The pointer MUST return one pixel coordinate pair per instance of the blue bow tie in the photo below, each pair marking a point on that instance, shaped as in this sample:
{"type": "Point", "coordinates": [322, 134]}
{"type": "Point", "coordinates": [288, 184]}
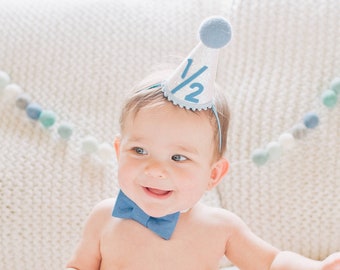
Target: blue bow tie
{"type": "Point", "coordinates": [126, 208]}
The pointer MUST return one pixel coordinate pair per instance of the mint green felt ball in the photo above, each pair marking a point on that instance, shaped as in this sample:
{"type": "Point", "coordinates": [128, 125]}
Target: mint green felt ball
{"type": "Point", "coordinates": [65, 130]}
{"type": "Point", "coordinates": [47, 118]}
{"type": "Point", "coordinates": [260, 157]}
{"type": "Point", "coordinates": [329, 98]}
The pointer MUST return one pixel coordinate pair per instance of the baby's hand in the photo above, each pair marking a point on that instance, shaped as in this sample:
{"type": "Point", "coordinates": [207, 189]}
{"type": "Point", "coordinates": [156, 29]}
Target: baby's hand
{"type": "Point", "coordinates": [332, 262]}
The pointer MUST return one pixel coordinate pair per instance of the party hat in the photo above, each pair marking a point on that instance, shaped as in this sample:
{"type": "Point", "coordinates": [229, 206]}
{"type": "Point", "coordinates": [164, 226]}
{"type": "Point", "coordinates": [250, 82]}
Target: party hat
{"type": "Point", "coordinates": [191, 86]}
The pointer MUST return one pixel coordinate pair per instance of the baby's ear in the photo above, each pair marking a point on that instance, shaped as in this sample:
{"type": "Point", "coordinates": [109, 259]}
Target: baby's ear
{"type": "Point", "coordinates": [218, 170]}
{"type": "Point", "coordinates": [116, 145]}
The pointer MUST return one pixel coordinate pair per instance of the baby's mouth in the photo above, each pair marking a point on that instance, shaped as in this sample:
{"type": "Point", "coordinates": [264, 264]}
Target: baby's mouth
{"type": "Point", "coordinates": [158, 193]}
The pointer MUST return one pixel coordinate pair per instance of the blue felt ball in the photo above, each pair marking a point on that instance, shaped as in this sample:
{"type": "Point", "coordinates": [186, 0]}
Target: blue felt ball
{"type": "Point", "coordinates": [215, 32]}
{"type": "Point", "coordinates": [33, 111]}
{"type": "Point", "coordinates": [311, 120]}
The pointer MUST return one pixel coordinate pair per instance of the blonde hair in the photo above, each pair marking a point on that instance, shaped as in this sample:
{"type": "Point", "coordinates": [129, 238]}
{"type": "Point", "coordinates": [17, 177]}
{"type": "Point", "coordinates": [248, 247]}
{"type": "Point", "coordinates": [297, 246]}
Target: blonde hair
{"type": "Point", "coordinates": [149, 94]}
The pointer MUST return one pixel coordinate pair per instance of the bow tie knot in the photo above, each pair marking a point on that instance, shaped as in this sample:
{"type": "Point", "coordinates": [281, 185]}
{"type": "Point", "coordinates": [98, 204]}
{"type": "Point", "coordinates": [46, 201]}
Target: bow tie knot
{"type": "Point", "coordinates": [127, 209]}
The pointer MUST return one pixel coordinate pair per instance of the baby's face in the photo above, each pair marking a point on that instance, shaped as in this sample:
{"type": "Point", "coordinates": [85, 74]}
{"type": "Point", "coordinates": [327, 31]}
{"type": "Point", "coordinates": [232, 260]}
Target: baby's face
{"type": "Point", "coordinates": [165, 158]}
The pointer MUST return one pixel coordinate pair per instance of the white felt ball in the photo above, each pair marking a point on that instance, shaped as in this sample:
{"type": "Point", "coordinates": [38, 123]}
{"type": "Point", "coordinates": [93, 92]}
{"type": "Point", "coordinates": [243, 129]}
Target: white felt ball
{"type": "Point", "coordinates": [106, 152]}
{"type": "Point", "coordinates": [4, 80]}
{"type": "Point", "coordinates": [335, 85]}
{"type": "Point", "coordinates": [286, 140]}
{"type": "Point", "coordinates": [12, 91]}
{"type": "Point", "coordinates": [274, 150]}
{"type": "Point", "coordinates": [89, 145]}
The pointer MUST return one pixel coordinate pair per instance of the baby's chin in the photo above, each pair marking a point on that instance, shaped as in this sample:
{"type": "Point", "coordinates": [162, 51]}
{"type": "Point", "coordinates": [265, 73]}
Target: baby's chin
{"type": "Point", "coordinates": [161, 211]}
{"type": "Point", "coordinates": [157, 213]}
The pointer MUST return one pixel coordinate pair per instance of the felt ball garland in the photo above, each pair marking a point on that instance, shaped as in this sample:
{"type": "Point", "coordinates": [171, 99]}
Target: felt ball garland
{"type": "Point", "coordinates": [90, 145]}
{"type": "Point", "coordinates": [287, 140]}
{"type": "Point", "coordinates": [48, 118]}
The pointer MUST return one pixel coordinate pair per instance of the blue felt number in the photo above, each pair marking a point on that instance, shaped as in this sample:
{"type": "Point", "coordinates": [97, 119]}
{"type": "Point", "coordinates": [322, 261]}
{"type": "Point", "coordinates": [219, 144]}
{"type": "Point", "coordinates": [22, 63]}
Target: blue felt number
{"type": "Point", "coordinates": [189, 80]}
{"type": "Point", "coordinates": [192, 97]}
{"type": "Point", "coordinates": [185, 71]}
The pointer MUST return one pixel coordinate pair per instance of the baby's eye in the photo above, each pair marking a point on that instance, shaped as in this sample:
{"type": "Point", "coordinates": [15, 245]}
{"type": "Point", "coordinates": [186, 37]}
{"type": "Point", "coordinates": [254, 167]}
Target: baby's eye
{"type": "Point", "coordinates": [179, 158]}
{"type": "Point", "coordinates": [139, 150]}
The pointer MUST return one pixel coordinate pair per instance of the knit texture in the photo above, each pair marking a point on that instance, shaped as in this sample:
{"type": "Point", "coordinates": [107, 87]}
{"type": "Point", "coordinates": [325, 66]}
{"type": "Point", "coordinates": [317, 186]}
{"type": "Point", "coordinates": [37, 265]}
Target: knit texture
{"type": "Point", "coordinates": [79, 58]}
{"type": "Point", "coordinates": [284, 54]}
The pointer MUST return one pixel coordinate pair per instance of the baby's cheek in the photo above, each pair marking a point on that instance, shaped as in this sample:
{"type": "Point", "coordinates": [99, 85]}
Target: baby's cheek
{"type": "Point", "coordinates": [124, 175]}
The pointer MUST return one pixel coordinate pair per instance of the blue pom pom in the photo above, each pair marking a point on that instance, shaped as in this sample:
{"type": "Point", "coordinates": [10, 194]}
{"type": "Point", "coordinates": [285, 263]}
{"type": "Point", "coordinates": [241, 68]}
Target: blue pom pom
{"type": "Point", "coordinates": [215, 32]}
{"type": "Point", "coordinates": [311, 120]}
{"type": "Point", "coordinates": [33, 111]}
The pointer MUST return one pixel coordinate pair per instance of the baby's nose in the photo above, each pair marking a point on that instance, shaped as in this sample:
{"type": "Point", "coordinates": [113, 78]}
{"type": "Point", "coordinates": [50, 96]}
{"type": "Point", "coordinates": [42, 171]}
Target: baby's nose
{"type": "Point", "coordinates": [156, 170]}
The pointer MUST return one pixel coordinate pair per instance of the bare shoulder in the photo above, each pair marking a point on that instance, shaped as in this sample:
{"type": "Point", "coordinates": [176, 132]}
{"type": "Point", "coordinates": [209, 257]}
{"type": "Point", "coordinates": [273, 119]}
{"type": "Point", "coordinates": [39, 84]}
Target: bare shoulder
{"type": "Point", "coordinates": [220, 220]}
{"type": "Point", "coordinates": [101, 212]}
{"type": "Point", "coordinates": [221, 224]}
{"type": "Point", "coordinates": [104, 205]}
{"type": "Point", "coordinates": [220, 217]}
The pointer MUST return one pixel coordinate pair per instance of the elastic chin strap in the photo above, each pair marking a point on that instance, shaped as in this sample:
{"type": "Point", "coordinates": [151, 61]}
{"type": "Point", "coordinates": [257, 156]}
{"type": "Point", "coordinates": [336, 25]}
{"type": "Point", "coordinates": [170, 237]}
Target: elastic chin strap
{"type": "Point", "coordinates": [213, 108]}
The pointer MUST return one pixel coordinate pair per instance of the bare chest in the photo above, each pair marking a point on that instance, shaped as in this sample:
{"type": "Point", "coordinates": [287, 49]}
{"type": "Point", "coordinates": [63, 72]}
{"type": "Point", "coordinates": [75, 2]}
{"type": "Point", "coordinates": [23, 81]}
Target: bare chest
{"type": "Point", "coordinates": [128, 245]}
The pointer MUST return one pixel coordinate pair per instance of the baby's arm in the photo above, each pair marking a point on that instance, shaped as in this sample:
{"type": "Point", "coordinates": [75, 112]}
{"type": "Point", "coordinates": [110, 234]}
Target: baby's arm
{"type": "Point", "coordinates": [244, 249]}
{"type": "Point", "coordinates": [286, 260]}
{"type": "Point", "coordinates": [87, 254]}
{"type": "Point", "coordinates": [249, 252]}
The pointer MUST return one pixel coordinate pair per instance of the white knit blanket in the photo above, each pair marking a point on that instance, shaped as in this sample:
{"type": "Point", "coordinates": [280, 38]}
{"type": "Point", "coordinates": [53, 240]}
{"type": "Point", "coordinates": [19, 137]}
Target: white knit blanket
{"type": "Point", "coordinates": [78, 58]}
